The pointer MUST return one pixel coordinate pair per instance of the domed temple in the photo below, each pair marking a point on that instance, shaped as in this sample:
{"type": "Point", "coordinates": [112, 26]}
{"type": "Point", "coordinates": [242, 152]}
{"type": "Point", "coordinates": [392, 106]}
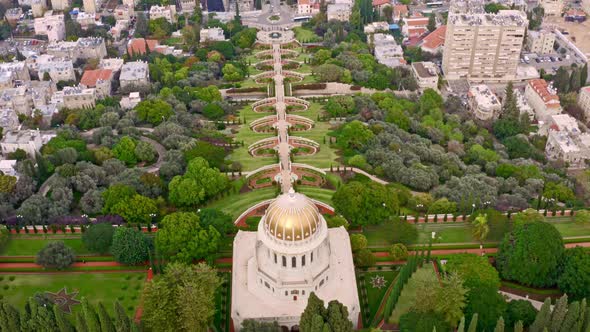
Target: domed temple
{"type": "Point", "coordinates": [292, 254]}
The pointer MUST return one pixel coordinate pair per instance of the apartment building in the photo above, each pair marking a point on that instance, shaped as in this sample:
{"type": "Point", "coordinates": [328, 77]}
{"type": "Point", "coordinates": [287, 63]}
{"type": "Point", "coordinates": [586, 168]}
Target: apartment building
{"type": "Point", "coordinates": [426, 74]}
{"type": "Point", "coordinates": [77, 97]}
{"type": "Point", "coordinates": [552, 7]}
{"type": "Point", "coordinates": [308, 7]}
{"type": "Point", "coordinates": [113, 64]}
{"type": "Point", "coordinates": [19, 99]}
{"type": "Point", "coordinates": [584, 101]}
{"type": "Point", "coordinates": [100, 79]}
{"type": "Point", "coordinates": [135, 73]}
{"type": "Point", "coordinates": [483, 102]}
{"type": "Point", "coordinates": [399, 11]}
{"type": "Point", "coordinates": [29, 141]}
{"type": "Point", "coordinates": [123, 12]}
{"type": "Point", "coordinates": [483, 47]}
{"type": "Point", "coordinates": [212, 34]}
{"type": "Point", "coordinates": [52, 26]}
{"type": "Point", "coordinates": [387, 51]}
{"type": "Point", "coordinates": [540, 42]}
{"type": "Point", "coordinates": [435, 41]}
{"type": "Point", "coordinates": [187, 6]}
{"type": "Point", "coordinates": [86, 19]}
{"type": "Point", "coordinates": [58, 69]}
{"type": "Point", "coordinates": [12, 16]}
{"type": "Point", "coordinates": [7, 80]}
{"type": "Point", "coordinates": [566, 143]}
{"type": "Point", "coordinates": [414, 26]}
{"type": "Point", "coordinates": [60, 5]}
{"type": "Point", "coordinates": [91, 6]}
{"type": "Point", "coordinates": [18, 68]}
{"type": "Point", "coordinates": [38, 7]}
{"type": "Point", "coordinates": [543, 98]}
{"type": "Point", "coordinates": [129, 102]}
{"type": "Point", "coordinates": [8, 119]}
{"type": "Point", "coordinates": [130, 3]}
{"type": "Point", "coordinates": [83, 48]}
{"type": "Point", "coordinates": [339, 12]}
{"type": "Point", "coordinates": [376, 27]}
{"type": "Point", "coordinates": [167, 12]}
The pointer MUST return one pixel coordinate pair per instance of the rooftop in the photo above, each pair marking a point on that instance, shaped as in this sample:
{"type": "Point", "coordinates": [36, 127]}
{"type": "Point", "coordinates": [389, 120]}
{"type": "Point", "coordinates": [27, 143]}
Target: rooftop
{"type": "Point", "coordinates": [134, 70]}
{"type": "Point", "coordinates": [547, 93]}
{"type": "Point", "coordinates": [91, 77]}
{"type": "Point", "coordinates": [436, 38]}
{"type": "Point", "coordinates": [484, 96]}
{"type": "Point", "coordinates": [503, 18]}
{"type": "Point", "coordinates": [425, 69]}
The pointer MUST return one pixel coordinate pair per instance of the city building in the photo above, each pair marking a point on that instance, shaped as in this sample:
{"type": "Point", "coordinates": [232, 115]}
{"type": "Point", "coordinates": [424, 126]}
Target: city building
{"type": "Point", "coordinates": [376, 27]}
{"type": "Point", "coordinates": [129, 102]}
{"type": "Point", "coordinates": [135, 73]}
{"type": "Point", "coordinates": [576, 15]}
{"type": "Point", "coordinates": [543, 99]}
{"type": "Point", "coordinates": [113, 64]}
{"type": "Point", "coordinates": [123, 12]}
{"type": "Point", "coordinates": [91, 6]}
{"type": "Point", "coordinates": [292, 254]}
{"type": "Point", "coordinates": [426, 74]}
{"type": "Point", "coordinates": [18, 68]}
{"type": "Point", "coordinates": [100, 79]}
{"type": "Point", "coordinates": [83, 48]}
{"type": "Point", "coordinates": [307, 7]}
{"type": "Point", "coordinates": [387, 51]}
{"type": "Point", "coordinates": [130, 3]}
{"type": "Point", "coordinates": [483, 47]}
{"type": "Point", "coordinates": [19, 99]}
{"type": "Point", "coordinates": [52, 26]}
{"type": "Point", "coordinates": [483, 102]}
{"type": "Point", "coordinates": [7, 80]}
{"type": "Point", "coordinates": [399, 11]}
{"type": "Point", "coordinates": [58, 69]}
{"type": "Point", "coordinates": [140, 46]}
{"type": "Point", "coordinates": [552, 7]}
{"type": "Point", "coordinates": [167, 12]}
{"type": "Point", "coordinates": [29, 141]}
{"type": "Point", "coordinates": [38, 7]}
{"type": "Point", "coordinates": [8, 119]}
{"type": "Point", "coordinates": [60, 5]}
{"type": "Point", "coordinates": [584, 101]}
{"type": "Point", "coordinates": [540, 42]}
{"type": "Point", "coordinates": [212, 34]}
{"type": "Point", "coordinates": [523, 105]}
{"type": "Point", "coordinates": [86, 19]}
{"type": "Point", "coordinates": [77, 97]}
{"type": "Point", "coordinates": [380, 5]}
{"type": "Point", "coordinates": [414, 26]}
{"type": "Point", "coordinates": [187, 6]}
{"type": "Point", "coordinates": [435, 41]}
{"type": "Point", "coordinates": [8, 167]}
{"type": "Point", "coordinates": [120, 26]}
{"type": "Point", "coordinates": [339, 12]}
{"type": "Point", "coordinates": [566, 143]}
{"type": "Point", "coordinates": [12, 15]}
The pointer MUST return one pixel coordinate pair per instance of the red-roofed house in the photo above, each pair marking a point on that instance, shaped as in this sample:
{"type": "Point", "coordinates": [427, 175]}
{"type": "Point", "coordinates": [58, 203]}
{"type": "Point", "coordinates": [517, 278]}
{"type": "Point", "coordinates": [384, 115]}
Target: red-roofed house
{"type": "Point", "coordinates": [100, 79]}
{"type": "Point", "coordinates": [542, 98]}
{"type": "Point", "coordinates": [414, 26]}
{"type": "Point", "coordinates": [399, 12]}
{"type": "Point", "coordinates": [434, 42]}
{"type": "Point", "coordinates": [380, 4]}
{"type": "Point", "coordinates": [140, 46]}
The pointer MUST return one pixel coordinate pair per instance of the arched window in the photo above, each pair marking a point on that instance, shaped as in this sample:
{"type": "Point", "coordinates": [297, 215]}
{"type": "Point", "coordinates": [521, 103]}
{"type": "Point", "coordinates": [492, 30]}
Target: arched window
{"type": "Point", "coordinates": [293, 261]}
{"type": "Point", "coordinates": [284, 261]}
{"type": "Point", "coordinates": [275, 258]}
{"type": "Point", "coordinates": [303, 260]}
{"type": "Point", "coordinates": [312, 256]}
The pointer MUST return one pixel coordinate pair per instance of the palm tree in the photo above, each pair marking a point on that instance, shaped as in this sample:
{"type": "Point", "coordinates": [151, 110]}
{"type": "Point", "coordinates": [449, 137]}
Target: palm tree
{"type": "Point", "coordinates": [480, 229]}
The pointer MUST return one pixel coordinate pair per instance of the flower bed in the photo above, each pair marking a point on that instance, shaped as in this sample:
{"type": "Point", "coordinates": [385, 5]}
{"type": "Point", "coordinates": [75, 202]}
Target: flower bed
{"type": "Point", "coordinates": [310, 86]}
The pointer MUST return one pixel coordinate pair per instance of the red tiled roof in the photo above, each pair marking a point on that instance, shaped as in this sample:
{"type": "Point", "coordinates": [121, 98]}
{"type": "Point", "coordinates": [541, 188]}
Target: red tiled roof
{"type": "Point", "coordinates": [417, 31]}
{"type": "Point", "coordinates": [381, 2]}
{"type": "Point", "coordinates": [575, 12]}
{"type": "Point", "coordinates": [400, 9]}
{"type": "Point", "coordinates": [152, 44]}
{"type": "Point", "coordinates": [136, 46]}
{"type": "Point", "coordinates": [542, 89]}
{"type": "Point", "coordinates": [303, 2]}
{"type": "Point", "coordinates": [436, 38]}
{"type": "Point", "coordinates": [90, 77]}
{"type": "Point", "coordinates": [416, 21]}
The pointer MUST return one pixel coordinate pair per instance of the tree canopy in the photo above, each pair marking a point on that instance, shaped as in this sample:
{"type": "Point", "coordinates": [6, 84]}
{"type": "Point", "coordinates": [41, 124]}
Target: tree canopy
{"type": "Point", "coordinates": [366, 203]}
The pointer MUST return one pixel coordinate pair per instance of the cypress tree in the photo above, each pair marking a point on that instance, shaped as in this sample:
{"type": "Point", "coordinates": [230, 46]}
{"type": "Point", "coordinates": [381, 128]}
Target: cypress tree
{"type": "Point", "coordinates": [575, 79]}
{"type": "Point", "coordinates": [63, 323]}
{"type": "Point", "coordinates": [558, 315]}
{"type": "Point", "coordinates": [518, 327]}
{"type": "Point", "coordinates": [106, 323]}
{"type": "Point", "coordinates": [122, 321]}
{"type": "Point", "coordinates": [473, 324]}
{"type": "Point", "coordinates": [543, 317]}
{"type": "Point", "coordinates": [582, 315]}
{"type": "Point", "coordinates": [584, 75]}
{"type": "Point", "coordinates": [10, 318]}
{"type": "Point", "coordinates": [90, 317]}
{"type": "Point", "coordinates": [571, 318]}
{"type": "Point", "coordinates": [81, 323]}
{"type": "Point", "coordinates": [461, 327]}
{"type": "Point", "coordinates": [499, 325]}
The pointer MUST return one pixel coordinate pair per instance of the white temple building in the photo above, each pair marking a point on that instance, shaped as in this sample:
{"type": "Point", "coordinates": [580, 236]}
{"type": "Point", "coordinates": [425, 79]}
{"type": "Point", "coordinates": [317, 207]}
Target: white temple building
{"type": "Point", "coordinates": [292, 254]}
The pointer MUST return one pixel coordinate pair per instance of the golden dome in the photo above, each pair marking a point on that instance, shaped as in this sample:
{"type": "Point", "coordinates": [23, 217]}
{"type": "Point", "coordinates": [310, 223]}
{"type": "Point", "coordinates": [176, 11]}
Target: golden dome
{"type": "Point", "coordinates": [292, 217]}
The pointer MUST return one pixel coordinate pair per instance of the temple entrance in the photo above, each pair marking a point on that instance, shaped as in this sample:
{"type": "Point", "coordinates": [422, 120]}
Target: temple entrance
{"type": "Point", "coordinates": [284, 329]}
{"type": "Point", "coordinates": [295, 328]}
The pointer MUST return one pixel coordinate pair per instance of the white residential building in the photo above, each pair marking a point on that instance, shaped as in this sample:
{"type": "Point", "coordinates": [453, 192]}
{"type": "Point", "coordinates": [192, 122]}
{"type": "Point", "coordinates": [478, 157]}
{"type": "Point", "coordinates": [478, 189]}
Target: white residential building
{"type": "Point", "coordinates": [135, 73]}
{"type": "Point", "coordinates": [414, 26]}
{"type": "Point", "coordinates": [8, 119]}
{"type": "Point", "coordinates": [376, 27]}
{"type": "Point", "coordinates": [29, 141]}
{"type": "Point", "coordinates": [86, 19]}
{"type": "Point", "coordinates": [426, 74]}
{"type": "Point", "coordinates": [83, 48]}
{"type": "Point", "coordinates": [212, 34]}
{"type": "Point", "coordinates": [540, 42]}
{"type": "Point", "coordinates": [306, 8]}
{"type": "Point", "coordinates": [339, 12]}
{"type": "Point", "coordinates": [483, 102]}
{"type": "Point", "coordinates": [77, 97]}
{"type": "Point", "coordinates": [542, 98]}
{"type": "Point", "coordinates": [387, 51]}
{"type": "Point", "coordinates": [123, 12]}
{"type": "Point", "coordinates": [8, 167]}
{"type": "Point", "coordinates": [91, 6]}
{"type": "Point", "coordinates": [52, 26]}
{"type": "Point", "coordinates": [584, 101]}
{"type": "Point", "coordinates": [167, 12]}
{"type": "Point", "coordinates": [60, 5]}
{"type": "Point", "coordinates": [552, 7]}
{"type": "Point", "coordinates": [130, 3]}
{"type": "Point", "coordinates": [59, 69]}
{"type": "Point", "coordinates": [114, 64]}
{"type": "Point", "coordinates": [480, 46]}
{"type": "Point", "coordinates": [7, 80]}
{"type": "Point", "coordinates": [566, 143]}
{"type": "Point", "coordinates": [523, 105]}
{"type": "Point", "coordinates": [39, 7]}
{"type": "Point", "coordinates": [12, 15]}
{"type": "Point", "coordinates": [18, 68]}
{"type": "Point", "coordinates": [187, 6]}
{"type": "Point", "coordinates": [129, 102]}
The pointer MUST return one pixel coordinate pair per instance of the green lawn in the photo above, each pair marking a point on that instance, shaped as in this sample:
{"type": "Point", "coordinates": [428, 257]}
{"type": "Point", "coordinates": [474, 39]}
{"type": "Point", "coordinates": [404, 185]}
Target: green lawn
{"type": "Point", "coordinates": [248, 136]}
{"type": "Point", "coordinates": [305, 35]}
{"type": "Point", "coordinates": [30, 246]}
{"type": "Point", "coordinates": [321, 194]}
{"type": "Point", "coordinates": [96, 287]}
{"type": "Point", "coordinates": [375, 294]}
{"type": "Point", "coordinates": [409, 293]}
{"type": "Point", "coordinates": [234, 205]}
{"type": "Point", "coordinates": [571, 228]}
